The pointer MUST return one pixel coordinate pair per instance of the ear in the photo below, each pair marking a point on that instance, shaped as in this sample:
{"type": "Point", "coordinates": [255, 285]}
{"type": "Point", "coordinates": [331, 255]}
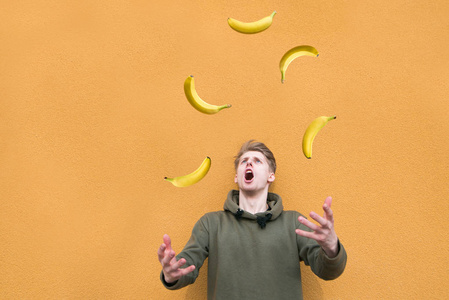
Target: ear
{"type": "Point", "coordinates": [235, 178]}
{"type": "Point", "coordinates": [271, 178]}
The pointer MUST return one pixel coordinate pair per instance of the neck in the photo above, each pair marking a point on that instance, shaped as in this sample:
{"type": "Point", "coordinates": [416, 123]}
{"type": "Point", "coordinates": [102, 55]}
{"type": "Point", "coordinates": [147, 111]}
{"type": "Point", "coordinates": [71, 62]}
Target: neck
{"type": "Point", "coordinates": [253, 202]}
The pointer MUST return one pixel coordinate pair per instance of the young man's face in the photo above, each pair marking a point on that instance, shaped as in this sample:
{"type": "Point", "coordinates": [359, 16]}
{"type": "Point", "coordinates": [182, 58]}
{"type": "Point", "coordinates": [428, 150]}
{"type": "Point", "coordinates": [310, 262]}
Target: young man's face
{"type": "Point", "coordinates": [253, 172]}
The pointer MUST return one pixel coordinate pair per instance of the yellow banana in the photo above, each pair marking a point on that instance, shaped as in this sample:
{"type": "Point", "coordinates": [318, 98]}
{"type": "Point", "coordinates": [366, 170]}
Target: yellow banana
{"type": "Point", "coordinates": [251, 27]}
{"type": "Point", "coordinates": [198, 103]}
{"type": "Point", "coordinates": [192, 178]}
{"type": "Point", "coordinates": [293, 53]}
{"type": "Point", "coordinates": [311, 132]}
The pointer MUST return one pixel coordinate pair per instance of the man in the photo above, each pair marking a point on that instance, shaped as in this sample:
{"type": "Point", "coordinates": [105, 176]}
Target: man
{"type": "Point", "coordinates": [254, 247]}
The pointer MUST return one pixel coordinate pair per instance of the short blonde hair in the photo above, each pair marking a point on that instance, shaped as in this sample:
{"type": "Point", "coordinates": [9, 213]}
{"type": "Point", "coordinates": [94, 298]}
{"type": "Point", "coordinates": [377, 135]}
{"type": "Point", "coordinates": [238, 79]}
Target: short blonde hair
{"type": "Point", "coordinates": [252, 145]}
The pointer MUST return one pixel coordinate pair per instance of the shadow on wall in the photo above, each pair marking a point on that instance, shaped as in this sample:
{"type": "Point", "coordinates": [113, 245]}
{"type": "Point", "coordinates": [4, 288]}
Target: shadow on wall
{"type": "Point", "coordinates": [195, 292]}
{"type": "Point", "coordinates": [198, 290]}
{"type": "Point", "coordinates": [311, 287]}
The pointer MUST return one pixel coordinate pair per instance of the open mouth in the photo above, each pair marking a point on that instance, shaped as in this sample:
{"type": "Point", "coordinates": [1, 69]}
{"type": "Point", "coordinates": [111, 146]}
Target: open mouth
{"type": "Point", "coordinates": [249, 176]}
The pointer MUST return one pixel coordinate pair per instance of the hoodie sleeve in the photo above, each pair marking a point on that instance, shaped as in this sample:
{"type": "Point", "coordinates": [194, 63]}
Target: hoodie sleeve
{"type": "Point", "coordinates": [314, 256]}
{"type": "Point", "coordinates": [195, 252]}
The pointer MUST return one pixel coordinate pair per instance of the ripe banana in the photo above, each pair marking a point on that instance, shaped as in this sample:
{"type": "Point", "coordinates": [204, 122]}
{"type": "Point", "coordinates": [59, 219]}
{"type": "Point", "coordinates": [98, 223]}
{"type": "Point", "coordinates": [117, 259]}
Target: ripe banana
{"type": "Point", "coordinates": [252, 27]}
{"type": "Point", "coordinates": [293, 53]}
{"type": "Point", "coordinates": [198, 103]}
{"type": "Point", "coordinates": [311, 132]}
{"type": "Point", "coordinates": [192, 178]}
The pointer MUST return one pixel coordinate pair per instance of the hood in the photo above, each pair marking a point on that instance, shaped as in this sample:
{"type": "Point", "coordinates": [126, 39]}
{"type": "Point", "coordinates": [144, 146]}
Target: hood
{"type": "Point", "coordinates": [274, 202]}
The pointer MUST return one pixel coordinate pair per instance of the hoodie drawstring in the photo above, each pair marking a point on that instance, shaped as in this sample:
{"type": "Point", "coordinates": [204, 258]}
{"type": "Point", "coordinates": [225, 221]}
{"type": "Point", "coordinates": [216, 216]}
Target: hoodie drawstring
{"type": "Point", "coordinates": [238, 214]}
{"type": "Point", "coordinates": [262, 220]}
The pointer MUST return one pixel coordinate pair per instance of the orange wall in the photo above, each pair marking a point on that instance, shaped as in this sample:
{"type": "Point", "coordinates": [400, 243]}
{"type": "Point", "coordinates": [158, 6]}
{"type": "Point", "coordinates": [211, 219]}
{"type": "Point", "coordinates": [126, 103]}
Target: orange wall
{"type": "Point", "coordinates": [93, 116]}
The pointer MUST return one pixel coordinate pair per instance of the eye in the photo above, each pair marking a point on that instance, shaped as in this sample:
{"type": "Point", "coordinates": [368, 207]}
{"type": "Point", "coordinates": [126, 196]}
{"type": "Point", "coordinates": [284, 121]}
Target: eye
{"type": "Point", "coordinates": [258, 161]}
{"type": "Point", "coordinates": [243, 161]}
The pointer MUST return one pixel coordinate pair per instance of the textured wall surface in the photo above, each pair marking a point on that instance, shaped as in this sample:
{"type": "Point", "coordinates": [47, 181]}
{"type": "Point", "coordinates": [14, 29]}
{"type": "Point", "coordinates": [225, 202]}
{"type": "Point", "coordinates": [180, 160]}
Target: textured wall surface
{"type": "Point", "coordinates": [93, 116]}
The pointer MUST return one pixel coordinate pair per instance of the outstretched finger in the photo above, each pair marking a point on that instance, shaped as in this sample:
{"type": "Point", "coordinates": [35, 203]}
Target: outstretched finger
{"type": "Point", "coordinates": [328, 213]}
{"type": "Point", "coordinates": [178, 264]}
{"type": "Point", "coordinates": [307, 234]}
{"type": "Point", "coordinates": [327, 205]}
{"type": "Point", "coordinates": [307, 223]}
{"type": "Point", "coordinates": [168, 258]}
{"type": "Point", "coordinates": [187, 270]}
{"type": "Point", "coordinates": [322, 221]}
{"type": "Point", "coordinates": [160, 252]}
{"type": "Point", "coordinates": [167, 241]}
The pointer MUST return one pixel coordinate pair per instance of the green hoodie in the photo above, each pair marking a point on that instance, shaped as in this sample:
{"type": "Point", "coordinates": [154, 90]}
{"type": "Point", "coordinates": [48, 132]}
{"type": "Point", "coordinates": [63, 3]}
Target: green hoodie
{"type": "Point", "coordinates": [254, 256]}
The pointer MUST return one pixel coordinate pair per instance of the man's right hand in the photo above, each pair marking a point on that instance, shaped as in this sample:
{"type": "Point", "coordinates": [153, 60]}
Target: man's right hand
{"type": "Point", "coordinates": [170, 266]}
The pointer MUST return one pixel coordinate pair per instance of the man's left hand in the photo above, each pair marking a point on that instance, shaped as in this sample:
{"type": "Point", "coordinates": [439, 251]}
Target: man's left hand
{"type": "Point", "coordinates": [323, 233]}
